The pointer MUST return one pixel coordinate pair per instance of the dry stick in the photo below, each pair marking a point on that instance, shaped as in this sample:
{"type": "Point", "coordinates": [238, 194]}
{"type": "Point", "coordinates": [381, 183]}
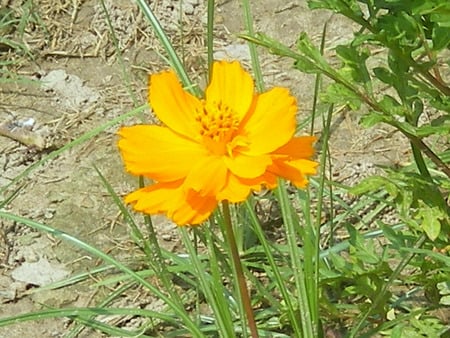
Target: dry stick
{"type": "Point", "coordinates": [26, 137]}
{"type": "Point", "coordinates": [239, 272]}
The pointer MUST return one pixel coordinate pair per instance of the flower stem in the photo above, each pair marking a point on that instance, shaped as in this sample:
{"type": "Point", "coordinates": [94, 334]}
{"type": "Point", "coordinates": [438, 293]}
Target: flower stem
{"type": "Point", "coordinates": [243, 291]}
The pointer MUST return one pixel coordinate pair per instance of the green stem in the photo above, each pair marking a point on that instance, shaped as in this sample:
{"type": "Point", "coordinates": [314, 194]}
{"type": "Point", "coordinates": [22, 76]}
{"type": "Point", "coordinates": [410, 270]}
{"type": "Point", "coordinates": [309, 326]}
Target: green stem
{"type": "Point", "coordinates": [243, 291]}
{"type": "Point", "coordinates": [259, 81]}
{"type": "Point", "coordinates": [210, 37]}
{"type": "Point", "coordinates": [300, 278]}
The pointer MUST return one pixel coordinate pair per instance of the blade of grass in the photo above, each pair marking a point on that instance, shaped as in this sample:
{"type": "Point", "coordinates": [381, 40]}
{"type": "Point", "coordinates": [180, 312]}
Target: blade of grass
{"type": "Point", "coordinates": [280, 281]}
{"type": "Point", "coordinates": [115, 41]}
{"type": "Point", "coordinates": [312, 230]}
{"type": "Point", "coordinates": [210, 37]}
{"type": "Point", "coordinates": [83, 315]}
{"type": "Point", "coordinates": [74, 332]}
{"type": "Point", "coordinates": [210, 288]}
{"type": "Point", "coordinates": [135, 233]}
{"type": "Point", "coordinates": [98, 253]}
{"type": "Point", "coordinates": [253, 53]}
{"type": "Point", "coordinates": [175, 61]}
{"type": "Point", "coordinates": [291, 225]}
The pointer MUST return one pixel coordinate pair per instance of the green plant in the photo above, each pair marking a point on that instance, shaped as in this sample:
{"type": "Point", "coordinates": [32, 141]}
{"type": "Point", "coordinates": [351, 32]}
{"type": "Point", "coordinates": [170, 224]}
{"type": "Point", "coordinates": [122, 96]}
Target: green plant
{"type": "Point", "coordinates": [409, 80]}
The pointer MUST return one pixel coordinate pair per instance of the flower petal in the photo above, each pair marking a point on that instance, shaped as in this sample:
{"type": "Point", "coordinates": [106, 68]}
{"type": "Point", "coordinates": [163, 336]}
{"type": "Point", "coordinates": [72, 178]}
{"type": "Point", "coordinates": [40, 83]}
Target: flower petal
{"type": "Point", "coordinates": [171, 199]}
{"type": "Point", "coordinates": [247, 166]}
{"type": "Point", "coordinates": [230, 86]}
{"type": "Point", "coordinates": [236, 190]}
{"type": "Point", "coordinates": [294, 171]}
{"type": "Point", "coordinates": [195, 209]}
{"type": "Point", "coordinates": [298, 147]}
{"type": "Point", "coordinates": [272, 122]}
{"type": "Point", "coordinates": [174, 106]}
{"type": "Point", "coordinates": [155, 199]}
{"type": "Point", "coordinates": [158, 153]}
{"type": "Point", "coordinates": [207, 177]}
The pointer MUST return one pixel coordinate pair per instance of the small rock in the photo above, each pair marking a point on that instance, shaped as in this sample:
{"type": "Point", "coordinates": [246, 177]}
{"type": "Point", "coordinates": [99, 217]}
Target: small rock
{"type": "Point", "coordinates": [233, 52]}
{"type": "Point", "coordinates": [40, 273]}
{"type": "Point", "coordinates": [188, 9]}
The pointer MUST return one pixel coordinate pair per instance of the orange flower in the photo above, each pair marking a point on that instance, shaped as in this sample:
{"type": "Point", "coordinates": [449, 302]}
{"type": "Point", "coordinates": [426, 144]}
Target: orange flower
{"type": "Point", "coordinates": [213, 149]}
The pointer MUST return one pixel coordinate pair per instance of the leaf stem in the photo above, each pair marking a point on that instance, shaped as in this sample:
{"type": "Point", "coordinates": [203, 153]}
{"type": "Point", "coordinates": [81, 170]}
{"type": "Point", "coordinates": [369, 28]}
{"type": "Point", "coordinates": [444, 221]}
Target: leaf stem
{"type": "Point", "coordinates": [243, 291]}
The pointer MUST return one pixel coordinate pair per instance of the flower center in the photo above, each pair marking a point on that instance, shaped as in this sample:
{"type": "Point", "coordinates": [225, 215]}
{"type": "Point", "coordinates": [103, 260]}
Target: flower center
{"type": "Point", "coordinates": [218, 124]}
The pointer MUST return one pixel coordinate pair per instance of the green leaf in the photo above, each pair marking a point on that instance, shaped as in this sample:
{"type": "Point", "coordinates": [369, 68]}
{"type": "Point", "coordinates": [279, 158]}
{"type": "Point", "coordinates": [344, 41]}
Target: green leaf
{"type": "Point", "coordinates": [371, 119]}
{"type": "Point", "coordinates": [339, 94]}
{"type": "Point", "coordinates": [431, 217]}
{"type": "Point", "coordinates": [439, 126]}
{"type": "Point", "coordinates": [355, 60]}
{"type": "Point", "coordinates": [440, 37]}
{"type": "Point", "coordinates": [445, 300]}
{"type": "Point", "coordinates": [374, 183]}
{"type": "Point", "coordinates": [349, 8]}
{"type": "Point", "coordinates": [385, 75]}
{"type": "Point", "coordinates": [400, 32]}
{"type": "Point", "coordinates": [313, 56]}
{"type": "Point", "coordinates": [391, 106]}
{"type": "Point", "coordinates": [444, 291]}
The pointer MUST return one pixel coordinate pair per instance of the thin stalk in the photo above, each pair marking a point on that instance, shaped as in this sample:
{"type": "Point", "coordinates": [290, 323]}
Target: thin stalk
{"type": "Point", "coordinates": [210, 36]}
{"type": "Point", "coordinates": [253, 53]}
{"type": "Point", "coordinates": [281, 283]}
{"type": "Point", "coordinates": [175, 61]}
{"type": "Point", "coordinates": [316, 247]}
{"type": "Point", "coordinates": [125, 72]}
{"type": "Point", "coordinates": [210, 291]}
{"type": "Point", "coordinates": [291, 226]}
{"type": "Point", "coordinates": [243, 291]}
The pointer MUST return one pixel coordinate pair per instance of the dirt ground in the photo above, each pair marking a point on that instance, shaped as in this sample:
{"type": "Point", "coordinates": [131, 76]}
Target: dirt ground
{"type": "Point", "coordinates": [74, 80]}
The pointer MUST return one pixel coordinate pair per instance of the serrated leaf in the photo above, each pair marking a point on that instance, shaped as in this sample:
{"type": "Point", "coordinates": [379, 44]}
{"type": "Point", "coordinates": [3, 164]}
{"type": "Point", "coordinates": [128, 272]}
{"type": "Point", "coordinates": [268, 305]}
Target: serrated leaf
{"type": "Point", "coordinates": [349, 8]}
{"type": "Point", "coordinates": [355, 59]}
{"type": "Point", "coordinates": [439, 126]}
{"type": "Point", "coordinates": [431, 217]}
{"type": "Point", "coordinates": [445, 300]}
{"type": "Point", "coordinates": [440, 37]}
{"type": "Point", "coordinates": [337, 93]}
{"type": "Point", "coordinates": [384, 75]}
{"type": "Point", "coordinates": [307, 48]}
{"type": "Point", "coordinates": [372, 184]}
{"type": "Point", "coordinates": [371, 119]}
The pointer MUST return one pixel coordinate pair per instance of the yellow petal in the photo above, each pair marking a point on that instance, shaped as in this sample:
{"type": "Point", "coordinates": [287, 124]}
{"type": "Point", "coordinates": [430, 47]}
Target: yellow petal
{"type": "Point", "coordinates": [175, 107]}
{"type": "Point", "coordinates": [158, 153]}
{"type": "Point", "coordinates": [271, 123]}
{"type": "Point", "coordinates": [230, 86]}
{"type": "Point", "coordinates": [236, 190]}
{"type": "Point", "coordinates": [207, 176]}
{"type": "Point", "coordinates": [171, 199]}
{"type": "Point", "coordinates": [194, 210]}
{"type": "Point", "coordinates": [157, 198]}
{"type": "Point", "coordinates": [294, 171]}
{"type": "Point", "coordinates": [298, 147]}
{"type": "Point", "coordinates": [247, 166]}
